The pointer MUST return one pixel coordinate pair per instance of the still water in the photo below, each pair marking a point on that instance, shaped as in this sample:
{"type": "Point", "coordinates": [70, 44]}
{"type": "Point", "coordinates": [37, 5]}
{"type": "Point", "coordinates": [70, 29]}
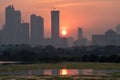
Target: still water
{"type": "Point", "coordinates": [8, 62]}
{"type": "Point", "coordinates": [63, 72]}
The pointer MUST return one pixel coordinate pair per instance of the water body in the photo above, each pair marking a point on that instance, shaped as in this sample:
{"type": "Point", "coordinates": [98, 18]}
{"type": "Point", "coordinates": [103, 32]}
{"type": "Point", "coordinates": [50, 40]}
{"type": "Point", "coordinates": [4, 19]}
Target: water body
{"type": "Point", "coordinates": [62, 72]}
{"type": "Point", "coordinates": [9, 62]}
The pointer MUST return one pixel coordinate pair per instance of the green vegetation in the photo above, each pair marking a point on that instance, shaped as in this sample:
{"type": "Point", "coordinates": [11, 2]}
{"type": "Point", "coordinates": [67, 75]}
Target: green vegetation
{"type": "Point", "coordinates": [80, 77]}
{"type": "Point", "coordinates": [68, 65]}
{"type": "Point", "coordinates": [50, 54]}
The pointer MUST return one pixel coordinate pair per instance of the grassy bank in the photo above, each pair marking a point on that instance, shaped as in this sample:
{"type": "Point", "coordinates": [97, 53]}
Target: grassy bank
{"type": "Point", "coordinates": [68, 65]}
{"type": "Point", "coordinates": [81, 77]}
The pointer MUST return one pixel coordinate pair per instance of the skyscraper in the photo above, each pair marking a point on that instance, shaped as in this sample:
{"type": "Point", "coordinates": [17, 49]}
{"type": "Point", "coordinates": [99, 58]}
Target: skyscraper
{"type": "Point", "coordinates": [55, 24]}
{"type": "Point", "coordinates": [11, 29]}
{"type": "Point", "coordinates": [37, 30]}
{"type": "Point", "coordinates": [17, 27]}
{"type": "Point", "coordinates": [80, 34]}
{"type": "Point", "coordinates": [25, 33]}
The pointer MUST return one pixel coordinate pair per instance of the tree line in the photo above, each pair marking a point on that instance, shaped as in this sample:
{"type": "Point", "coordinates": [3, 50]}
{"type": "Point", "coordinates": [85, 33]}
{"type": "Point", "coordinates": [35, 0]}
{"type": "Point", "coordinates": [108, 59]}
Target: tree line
{"type": "Point", "coordinates": [26, 53]}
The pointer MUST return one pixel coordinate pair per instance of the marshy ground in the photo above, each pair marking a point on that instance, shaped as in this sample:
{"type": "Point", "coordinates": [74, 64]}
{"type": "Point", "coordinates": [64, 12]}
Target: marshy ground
{"type": "Point", "coordinates": [68, 65]}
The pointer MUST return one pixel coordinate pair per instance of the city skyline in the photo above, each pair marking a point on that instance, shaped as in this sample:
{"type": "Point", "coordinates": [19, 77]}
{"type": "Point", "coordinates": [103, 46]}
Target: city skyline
{"type": "Point", "coordinates": [94, 16]}
{"type": "Point", "coordinates": [15, 32]}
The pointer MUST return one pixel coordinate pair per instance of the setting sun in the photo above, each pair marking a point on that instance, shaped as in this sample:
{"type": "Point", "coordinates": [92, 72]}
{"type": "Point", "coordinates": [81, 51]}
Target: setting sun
{"type": "Point", "coordinates": [64, 32]}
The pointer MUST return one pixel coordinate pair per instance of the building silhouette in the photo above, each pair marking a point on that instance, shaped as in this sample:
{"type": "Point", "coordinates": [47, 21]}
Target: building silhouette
{"type": "Point", "coordinates": [11, 29]}
{"type": "Point", "coordinates": [80, 33]}
{"type": "Point", "coordinates": [81, 41]}
{"type": "Point", "coordinates": [70, 41]}
{"type": "Point", "coordinates": [109, 38]}
{"type": "Point", "coordinates": [25, 33]}
{"type": "Point", "coordinates": [98, 39]}
{"type": "Point", "coordinates": [63, 42]}
{"type": "Point", "coordinates": [14, 32]}
{"type": "Point", "coordinates": [55, 27]}
{"type": "Point", "coordinates": [117, 29]}
{"type": "Point", "coordinates": [48, 41]}
{"type": "Point", "coordinates": [37, 30]}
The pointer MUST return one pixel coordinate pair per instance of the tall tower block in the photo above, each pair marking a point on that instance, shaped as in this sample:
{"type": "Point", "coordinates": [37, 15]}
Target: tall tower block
{"type": "Point", "coordinates": [55, 24]}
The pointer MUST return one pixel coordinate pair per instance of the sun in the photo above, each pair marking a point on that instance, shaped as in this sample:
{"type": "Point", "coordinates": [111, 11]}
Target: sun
{"type": "Point", "coordinates": [64, 32]}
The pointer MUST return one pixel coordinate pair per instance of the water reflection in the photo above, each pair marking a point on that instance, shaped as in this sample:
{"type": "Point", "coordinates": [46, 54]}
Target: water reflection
{"type": "Point", "coordinates": [9, 62]}
{"type": "Point", "coordinates": [62, 72]}
{"type": "Point", "coordinates": [87, 71]}
{"type": "Point", "coordinates": [47, 72]}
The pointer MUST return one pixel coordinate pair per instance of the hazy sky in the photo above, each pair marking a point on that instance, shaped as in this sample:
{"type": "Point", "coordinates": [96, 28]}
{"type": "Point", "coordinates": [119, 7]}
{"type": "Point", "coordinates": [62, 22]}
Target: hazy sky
{"type": "Point", "coordinates": [94, 16]}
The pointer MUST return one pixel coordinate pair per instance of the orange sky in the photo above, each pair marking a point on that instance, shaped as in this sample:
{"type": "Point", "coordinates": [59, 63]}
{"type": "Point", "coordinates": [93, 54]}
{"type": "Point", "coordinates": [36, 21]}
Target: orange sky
{"type": "Point", "coordinates": [94, 16]}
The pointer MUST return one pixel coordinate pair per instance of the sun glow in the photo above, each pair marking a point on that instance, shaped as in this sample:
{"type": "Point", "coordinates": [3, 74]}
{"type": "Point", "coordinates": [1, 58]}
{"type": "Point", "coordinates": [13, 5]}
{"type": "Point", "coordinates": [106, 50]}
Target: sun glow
{"type": "Point", "coordinates": [64, 32]}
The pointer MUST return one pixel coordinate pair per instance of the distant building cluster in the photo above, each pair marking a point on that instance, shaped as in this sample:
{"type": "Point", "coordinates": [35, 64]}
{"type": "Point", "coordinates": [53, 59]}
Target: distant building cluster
{"type": "Point", "coordinates": [110, 37]}
{"type": "Point", "coordinates": [15, 32]}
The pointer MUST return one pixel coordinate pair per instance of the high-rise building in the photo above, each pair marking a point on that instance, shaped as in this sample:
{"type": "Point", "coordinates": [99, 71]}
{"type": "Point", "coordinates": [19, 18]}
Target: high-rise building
{"type": "Point", "coordinates": [25, 33]}
{"type": "Point", "coordinates": [17, 27]}
{"type": "Point", "coordinates": [55, 24]}
{"type": "Point", "coordinates": [55, 28]}
{"type": "Point", "coordinates": [37, 30]}
{"type": "Point", "coordinates": [80, 34]}
{"type": "Point", "coordinates": [11, 29]}
{"type": "Point", "coordinates": [81, 40]}
{"type": "Point", "coordinates": [9, 13]}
